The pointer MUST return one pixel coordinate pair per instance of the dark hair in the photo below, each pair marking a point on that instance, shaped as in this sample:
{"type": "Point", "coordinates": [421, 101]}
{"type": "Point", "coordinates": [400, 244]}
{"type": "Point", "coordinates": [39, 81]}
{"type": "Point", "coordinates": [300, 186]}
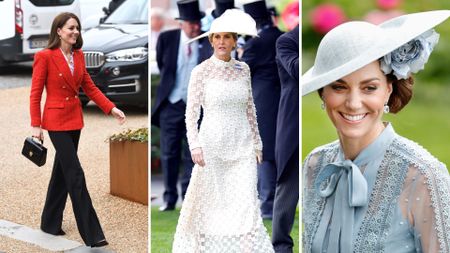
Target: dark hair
{"type": "Point", "coordinates": [54, 41]}
{"type": "Point", "coordinates": [402, 91]}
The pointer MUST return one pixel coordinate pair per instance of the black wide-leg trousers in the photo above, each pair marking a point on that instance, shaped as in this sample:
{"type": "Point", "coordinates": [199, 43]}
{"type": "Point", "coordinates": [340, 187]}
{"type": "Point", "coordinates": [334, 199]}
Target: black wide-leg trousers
{"type": "Point", "coordinates": [68, 179]}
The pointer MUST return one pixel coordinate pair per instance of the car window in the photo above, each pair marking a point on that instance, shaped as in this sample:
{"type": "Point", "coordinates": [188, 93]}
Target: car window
{"type": "Point", "coordinates": [130, 12]}
{"type": "Point", "coordinates": [51, 2]}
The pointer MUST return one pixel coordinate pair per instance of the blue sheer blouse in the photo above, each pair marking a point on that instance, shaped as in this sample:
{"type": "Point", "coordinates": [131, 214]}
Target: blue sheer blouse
{"type": "Point", "coordinates": [393, 197]}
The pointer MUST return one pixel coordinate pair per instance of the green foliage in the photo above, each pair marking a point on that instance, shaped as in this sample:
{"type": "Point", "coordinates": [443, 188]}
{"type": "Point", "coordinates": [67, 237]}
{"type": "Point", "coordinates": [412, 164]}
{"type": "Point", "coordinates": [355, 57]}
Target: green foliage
{"type": "Point", "coordinates": [163, 226]}
{"type": "Point", "coordinates": [140, 134]}
{"type": "Point", "coordinates": [435, 70]}
{"type": "Point", "coordinates": [280, 5]}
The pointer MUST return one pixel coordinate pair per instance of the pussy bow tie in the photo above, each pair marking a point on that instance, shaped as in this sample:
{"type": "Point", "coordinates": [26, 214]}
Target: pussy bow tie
{"type": "Point", "coordinates": [345, 180]}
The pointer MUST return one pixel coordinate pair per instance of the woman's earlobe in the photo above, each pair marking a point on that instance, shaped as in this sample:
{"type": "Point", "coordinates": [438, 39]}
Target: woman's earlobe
{"type": "Point", "coordinates": [390, 87]}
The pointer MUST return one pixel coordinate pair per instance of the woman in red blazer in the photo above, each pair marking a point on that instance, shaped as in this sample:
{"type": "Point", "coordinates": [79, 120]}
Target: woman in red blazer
{"type": "Point", "coordinates": [60, 68]}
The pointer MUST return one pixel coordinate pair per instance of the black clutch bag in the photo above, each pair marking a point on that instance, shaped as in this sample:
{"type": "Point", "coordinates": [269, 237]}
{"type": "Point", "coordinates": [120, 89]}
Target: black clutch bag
{"type": "Point", "coordinates": [34, 151]}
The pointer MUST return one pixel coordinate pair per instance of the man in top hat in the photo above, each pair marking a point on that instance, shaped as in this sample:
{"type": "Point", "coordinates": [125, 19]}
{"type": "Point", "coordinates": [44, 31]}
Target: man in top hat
{"type": "Point", "coordinates": [221, 7]}
{"type": "Point", "coordinates": [176, 59]}
{"type": "Point", "coordinates": [259, 53]}
{"type": "Point", "coordinates": [287, 143]}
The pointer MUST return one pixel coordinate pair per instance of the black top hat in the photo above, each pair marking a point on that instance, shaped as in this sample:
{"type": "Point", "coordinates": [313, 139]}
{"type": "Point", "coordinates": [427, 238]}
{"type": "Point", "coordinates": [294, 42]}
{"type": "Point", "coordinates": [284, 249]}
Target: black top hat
{"type": "Point", "coordinates": [258, 10]}
{"type": "Point", "coordinates": [222, 6]}
{"type": "Point", "coordinates": [273, 11]}
{"type": "Point", "coordinates": [189, 10]}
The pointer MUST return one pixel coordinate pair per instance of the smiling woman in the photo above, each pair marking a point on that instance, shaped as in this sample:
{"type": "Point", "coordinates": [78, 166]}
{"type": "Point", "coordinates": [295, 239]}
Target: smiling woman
{"type": "Point", "coordinates": [355, 105]}
{"type": "Point", "coordinates": [60, 70]}
{"type": "Point", "coordinates": [373, 190]}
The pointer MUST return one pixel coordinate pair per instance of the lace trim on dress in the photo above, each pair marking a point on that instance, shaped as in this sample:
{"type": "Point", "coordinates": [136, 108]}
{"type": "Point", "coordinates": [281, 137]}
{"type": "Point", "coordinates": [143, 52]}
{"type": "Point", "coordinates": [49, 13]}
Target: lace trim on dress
{"type": "Point", "coordinates": [315, 204]}
{"type": "Point", "coordinates": [222, 63]}
{"type": "Point", "coordinates": [399, 157]}
{"type": "Point", "coordinates": [383, 200]}
{"type": "Point", "coordinates": [214, 68]}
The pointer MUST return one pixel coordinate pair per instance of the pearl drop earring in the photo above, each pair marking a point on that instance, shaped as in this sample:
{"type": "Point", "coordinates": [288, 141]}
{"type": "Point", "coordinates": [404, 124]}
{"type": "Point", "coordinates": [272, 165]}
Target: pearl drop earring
{"type": "Point", "coordinates": [386, 108]}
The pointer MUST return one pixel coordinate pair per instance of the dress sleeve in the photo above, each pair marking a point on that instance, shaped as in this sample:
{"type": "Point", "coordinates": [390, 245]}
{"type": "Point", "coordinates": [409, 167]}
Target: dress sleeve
{"type": "Point", "coordinates": [38, 81]}
{"type": "Point", "coordinates": [428, 208]}
{"type": "Point", "coordinates": [310, 211]}
{"type": "Point", "coordinates": [194, 102]}
{"type": "Point", "coordinates": [251, 112]}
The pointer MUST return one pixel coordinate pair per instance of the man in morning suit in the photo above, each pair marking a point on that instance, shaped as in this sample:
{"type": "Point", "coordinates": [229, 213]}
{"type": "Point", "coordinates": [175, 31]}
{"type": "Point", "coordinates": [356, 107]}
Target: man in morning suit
{"type": "Point", "coordinates": [287, 143]}
{"type": "Point", "coordinates": [176, 59]}
{"type": "Point", "coordinates": [259, 53]}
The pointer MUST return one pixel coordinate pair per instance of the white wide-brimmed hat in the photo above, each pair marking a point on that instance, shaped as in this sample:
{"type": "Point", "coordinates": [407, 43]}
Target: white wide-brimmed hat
{"type": "Point", "coordinates": [353, 45]}
{"type": "Point", "coordinates": [234, 21]}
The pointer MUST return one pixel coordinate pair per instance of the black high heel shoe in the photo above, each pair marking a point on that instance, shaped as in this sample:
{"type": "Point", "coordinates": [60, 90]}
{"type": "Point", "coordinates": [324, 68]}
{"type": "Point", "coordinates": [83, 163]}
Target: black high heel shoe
{"type": "Point", "coordinates": [61, 232]}
{"type": "Point", "coordinates": [99, 244]}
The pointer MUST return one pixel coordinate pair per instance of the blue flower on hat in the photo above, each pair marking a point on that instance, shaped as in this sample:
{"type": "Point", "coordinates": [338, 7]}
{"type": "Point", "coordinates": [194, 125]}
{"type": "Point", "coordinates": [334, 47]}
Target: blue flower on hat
{"type": "Point", "coordinates": [411, 57]}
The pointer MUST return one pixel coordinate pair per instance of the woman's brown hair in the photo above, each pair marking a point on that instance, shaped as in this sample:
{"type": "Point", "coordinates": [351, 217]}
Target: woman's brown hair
{"type": "Point", "coordinates": [54, 40]}
{"type": "Point", "coordinates": [402, 91]}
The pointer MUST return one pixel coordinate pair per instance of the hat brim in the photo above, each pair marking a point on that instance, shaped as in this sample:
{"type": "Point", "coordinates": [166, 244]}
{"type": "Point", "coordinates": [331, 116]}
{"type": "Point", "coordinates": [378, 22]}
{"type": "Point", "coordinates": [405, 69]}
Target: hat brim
{"type": "Point", "coordinates": [399, 32]}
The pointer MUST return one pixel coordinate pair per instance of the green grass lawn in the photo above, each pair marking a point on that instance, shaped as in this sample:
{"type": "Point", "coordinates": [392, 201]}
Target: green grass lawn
{"type": "Point", "coordinates": [163, 226]}
{"type": "Point", "coordinates": [425, 120]}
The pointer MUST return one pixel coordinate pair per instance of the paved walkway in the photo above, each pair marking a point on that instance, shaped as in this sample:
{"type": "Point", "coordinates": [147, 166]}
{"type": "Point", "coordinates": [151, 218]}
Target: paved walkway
{"type": "Point", "coordinates": [44, 240]}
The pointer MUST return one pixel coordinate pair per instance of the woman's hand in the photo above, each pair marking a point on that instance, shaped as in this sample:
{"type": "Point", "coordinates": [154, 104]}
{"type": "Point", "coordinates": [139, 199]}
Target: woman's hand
{"type": "Point", "coordinates": [259, 157]}
{"type": "Point", "coordinates": [119, 115]}
{"type": "Point", "coordinates": [38, 133]}
{"type": "Point", "coordinates": [197, 156]}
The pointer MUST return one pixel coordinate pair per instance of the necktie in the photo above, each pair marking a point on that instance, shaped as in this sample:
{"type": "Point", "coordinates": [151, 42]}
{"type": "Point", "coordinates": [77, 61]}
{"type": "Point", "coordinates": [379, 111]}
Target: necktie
{"type": "Point", "coordinates": [188, 50]}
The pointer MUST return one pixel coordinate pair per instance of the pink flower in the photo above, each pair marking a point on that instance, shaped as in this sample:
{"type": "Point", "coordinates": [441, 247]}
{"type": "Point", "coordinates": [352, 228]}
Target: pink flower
{"type": "Point", "coordinates": [377, 17]}
{"type": "Point", "coordinates": [290, 15]}
{"type": "Point", "coordinates": [388, 4]}
{"type": "Point", "coordinates": [326, 17]}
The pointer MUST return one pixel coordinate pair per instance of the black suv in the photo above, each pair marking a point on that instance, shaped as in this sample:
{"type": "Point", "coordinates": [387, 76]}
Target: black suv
{"type": "Point", "coordinates": [116, 54]}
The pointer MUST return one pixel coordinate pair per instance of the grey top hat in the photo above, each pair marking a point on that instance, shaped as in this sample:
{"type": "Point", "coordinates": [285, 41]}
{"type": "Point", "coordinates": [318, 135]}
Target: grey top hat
{"type": "Point", "coordinates": [352, 45]}
{"type": "Point", "coordinates": [189, 10]}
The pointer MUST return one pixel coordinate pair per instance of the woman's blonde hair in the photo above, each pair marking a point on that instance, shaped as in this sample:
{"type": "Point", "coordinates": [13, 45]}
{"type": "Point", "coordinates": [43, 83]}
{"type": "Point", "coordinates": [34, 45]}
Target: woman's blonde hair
{"type": "Point", "coordinates": [210, 36]}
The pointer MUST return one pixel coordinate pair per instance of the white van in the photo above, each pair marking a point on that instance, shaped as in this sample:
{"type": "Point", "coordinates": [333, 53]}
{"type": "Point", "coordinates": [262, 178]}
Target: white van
{"type": "Point", "coordinates": [25, 26]}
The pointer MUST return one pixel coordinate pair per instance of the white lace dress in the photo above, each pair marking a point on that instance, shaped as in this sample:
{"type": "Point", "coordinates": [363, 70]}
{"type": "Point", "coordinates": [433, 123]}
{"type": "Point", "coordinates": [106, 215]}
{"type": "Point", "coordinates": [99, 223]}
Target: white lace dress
{"type": "Point", "coordinates": [220, 211]}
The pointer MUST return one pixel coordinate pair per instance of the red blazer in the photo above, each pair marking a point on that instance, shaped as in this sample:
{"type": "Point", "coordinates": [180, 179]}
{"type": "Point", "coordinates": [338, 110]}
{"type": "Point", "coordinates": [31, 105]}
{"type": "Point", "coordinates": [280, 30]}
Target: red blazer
{"type": "Point", "coordinates": [62, 109]}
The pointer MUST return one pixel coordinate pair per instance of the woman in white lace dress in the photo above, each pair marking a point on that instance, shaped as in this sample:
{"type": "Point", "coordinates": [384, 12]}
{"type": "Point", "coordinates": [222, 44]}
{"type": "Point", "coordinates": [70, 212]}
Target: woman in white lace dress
{"type": "Point", "coordinates": [220, 211]}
